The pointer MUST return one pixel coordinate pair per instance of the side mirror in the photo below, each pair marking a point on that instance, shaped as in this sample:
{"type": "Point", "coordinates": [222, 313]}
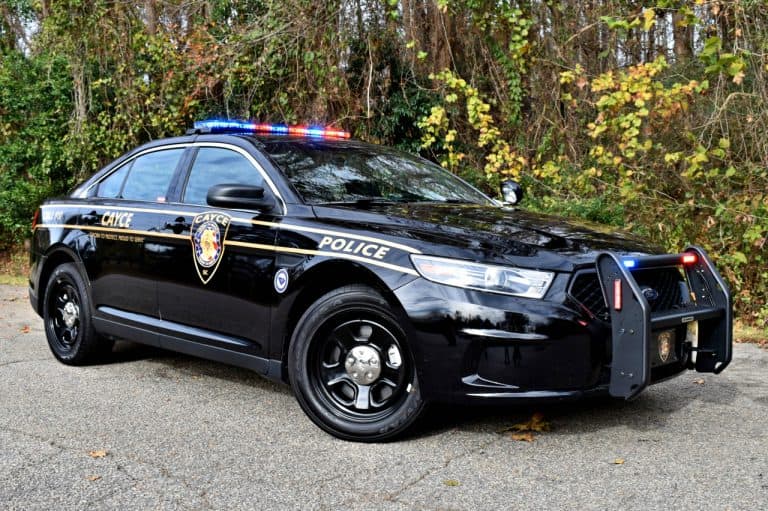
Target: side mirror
{"type": "Point", "coordinates": [511, 192]}
{"type": "Point", "coordinates": [240, 197]}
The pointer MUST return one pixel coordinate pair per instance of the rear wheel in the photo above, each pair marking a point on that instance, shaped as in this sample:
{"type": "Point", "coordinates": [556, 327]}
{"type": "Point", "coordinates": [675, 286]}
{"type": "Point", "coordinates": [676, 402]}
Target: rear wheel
{"type": "Point", "coordinates": [67, 318]}
{"type": "Point", "coordinates": [351, 368]}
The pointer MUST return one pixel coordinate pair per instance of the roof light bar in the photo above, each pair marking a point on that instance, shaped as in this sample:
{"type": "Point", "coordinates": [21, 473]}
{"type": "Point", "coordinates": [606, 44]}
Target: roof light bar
{"type": "Point", "coordinates": [229, 126]}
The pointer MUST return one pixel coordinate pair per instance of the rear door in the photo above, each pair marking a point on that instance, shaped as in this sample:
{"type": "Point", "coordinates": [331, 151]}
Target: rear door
{"type": "Point", "coordinates": [216, 281]}
{"type": "Point", "coordinates": [120, 221]}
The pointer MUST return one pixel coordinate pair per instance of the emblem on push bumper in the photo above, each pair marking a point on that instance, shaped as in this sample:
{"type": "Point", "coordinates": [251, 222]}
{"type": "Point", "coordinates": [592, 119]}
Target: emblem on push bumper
{"type": "Point", "coordinates": [208, 232]}
{"type": "Point", "coordinates": [665, 345]}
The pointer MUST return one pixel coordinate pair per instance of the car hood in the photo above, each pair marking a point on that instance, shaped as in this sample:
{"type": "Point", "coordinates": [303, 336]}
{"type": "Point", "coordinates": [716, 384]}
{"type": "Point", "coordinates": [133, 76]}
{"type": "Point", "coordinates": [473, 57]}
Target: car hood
{"type": "Point", "coordinates": [501, 234]}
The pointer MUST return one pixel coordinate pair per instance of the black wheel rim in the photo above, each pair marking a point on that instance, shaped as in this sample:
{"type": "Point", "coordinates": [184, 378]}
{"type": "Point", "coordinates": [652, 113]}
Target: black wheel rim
{"type": "Point", "coordinates": [64, 315]}
{"type": "Point", "coordinates": [333, 382]}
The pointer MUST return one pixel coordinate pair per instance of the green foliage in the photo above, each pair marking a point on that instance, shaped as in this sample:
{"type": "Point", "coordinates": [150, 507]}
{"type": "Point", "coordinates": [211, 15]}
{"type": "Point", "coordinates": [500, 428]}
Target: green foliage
{"type": "Point", "coordinates": [34, 108]}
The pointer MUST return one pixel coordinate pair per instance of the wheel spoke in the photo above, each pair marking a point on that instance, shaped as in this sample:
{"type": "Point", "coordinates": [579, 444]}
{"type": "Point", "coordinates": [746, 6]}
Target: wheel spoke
{"type": "Point", "coordinates": [332, 357]}
{"type": "Point", "coordinates": [363, 398]}
{"type": "Point", "coordinates": [336, 378]}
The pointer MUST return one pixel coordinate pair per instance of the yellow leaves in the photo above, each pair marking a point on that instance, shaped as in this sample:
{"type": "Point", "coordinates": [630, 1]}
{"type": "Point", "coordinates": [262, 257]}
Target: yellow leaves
{"type": "Point", "coordinates": [618, 461]}
{"type": "Point", "coordinates": [537, 423]}
{"type": "Point", "coordinates": [97, 454]}
{"type": "Point", "coordinates": [649, 19]}
{"type": "Point", "coordinates": [93, 478]}
{"type": "Point", "coordinates": [524, 431]}
{"type": "Point", "coordinates": [603, 82]}
{"type": "Point", "coordinates": [500, 159]}
{"type": "Point", "coordinates": [673, 157]}
{"type": "Point", "coordinates": [598, 130]}
{"type": "Point", "coordinates": [451, 482]}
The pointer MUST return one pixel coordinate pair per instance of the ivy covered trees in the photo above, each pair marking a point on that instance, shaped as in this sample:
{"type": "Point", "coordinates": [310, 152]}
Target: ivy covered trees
{"type": "Point", "coordinates": [649, 115]}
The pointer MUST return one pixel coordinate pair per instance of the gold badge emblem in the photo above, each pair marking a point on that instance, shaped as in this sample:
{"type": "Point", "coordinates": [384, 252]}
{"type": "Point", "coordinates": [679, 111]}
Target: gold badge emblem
{"type": "Point", "coordinates": [209, 232]}
{"type": "Point", "coordinates": [665, 345]}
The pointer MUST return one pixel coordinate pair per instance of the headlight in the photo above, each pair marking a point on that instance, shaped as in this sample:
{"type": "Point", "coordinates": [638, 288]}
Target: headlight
{"type": "Point", "coordinates": [484, 277]}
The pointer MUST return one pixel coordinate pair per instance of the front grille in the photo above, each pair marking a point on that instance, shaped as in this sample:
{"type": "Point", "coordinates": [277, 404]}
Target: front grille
{"type": "Point", "coordinates": [585, 288]}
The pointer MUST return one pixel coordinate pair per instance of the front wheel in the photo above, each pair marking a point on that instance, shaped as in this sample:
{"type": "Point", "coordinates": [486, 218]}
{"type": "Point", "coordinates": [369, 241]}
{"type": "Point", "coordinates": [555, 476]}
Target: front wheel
{"type": "Point", "coordinates": [351, 368]}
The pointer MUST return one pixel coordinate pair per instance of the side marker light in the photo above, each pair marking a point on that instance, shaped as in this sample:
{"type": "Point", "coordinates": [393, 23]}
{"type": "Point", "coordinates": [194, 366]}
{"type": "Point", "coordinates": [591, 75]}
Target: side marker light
{"type": "Point", "coordinates": [617, 294]}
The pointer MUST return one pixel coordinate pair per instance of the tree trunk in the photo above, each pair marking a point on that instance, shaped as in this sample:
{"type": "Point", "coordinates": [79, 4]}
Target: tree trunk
{"type": "Point", "coordinates": [150, 8]}
{"type": "Point", "coordinates": [682, 33]}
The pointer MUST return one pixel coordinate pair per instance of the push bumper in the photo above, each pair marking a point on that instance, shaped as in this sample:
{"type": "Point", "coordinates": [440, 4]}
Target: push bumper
{"type": "Point", "coordinates": [635, 327]}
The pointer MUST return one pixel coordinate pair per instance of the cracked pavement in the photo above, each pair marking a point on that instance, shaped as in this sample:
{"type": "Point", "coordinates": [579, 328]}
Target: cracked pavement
{"type": "Point", "coordinates": [183, 433]}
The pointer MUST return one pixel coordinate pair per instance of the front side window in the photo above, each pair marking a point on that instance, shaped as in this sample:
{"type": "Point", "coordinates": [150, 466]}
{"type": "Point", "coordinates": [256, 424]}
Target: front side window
{"type": "Point", "coordinates": [151, 175]}
{"type": "Point", "coordinates": [215, 166]}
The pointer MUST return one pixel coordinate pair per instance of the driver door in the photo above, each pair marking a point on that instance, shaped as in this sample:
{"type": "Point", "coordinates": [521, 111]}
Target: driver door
{"type": "Point", "coordinates": [216, 285]}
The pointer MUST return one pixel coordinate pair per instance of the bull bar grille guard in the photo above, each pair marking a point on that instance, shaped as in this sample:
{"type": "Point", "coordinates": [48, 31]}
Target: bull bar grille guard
{"type": "Point", "coordinates": [633, 323]}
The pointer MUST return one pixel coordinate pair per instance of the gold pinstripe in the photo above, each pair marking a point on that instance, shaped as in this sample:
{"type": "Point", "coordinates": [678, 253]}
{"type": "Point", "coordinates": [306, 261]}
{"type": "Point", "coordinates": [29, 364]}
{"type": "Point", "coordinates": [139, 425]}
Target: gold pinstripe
{"type": "Point", "coordinates": [257, 246]}
{"type": "Point", "coordinates": [112, 230]}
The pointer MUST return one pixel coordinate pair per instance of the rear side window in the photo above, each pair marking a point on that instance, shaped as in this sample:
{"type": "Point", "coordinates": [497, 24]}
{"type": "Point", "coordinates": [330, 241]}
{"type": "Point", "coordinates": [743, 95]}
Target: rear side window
{"type": "Point", "coordinates": [151, 175]}
{"type": "Point", "coordinates": [110, 187]}
{"type": "Point", "coordinates": [215, 166]}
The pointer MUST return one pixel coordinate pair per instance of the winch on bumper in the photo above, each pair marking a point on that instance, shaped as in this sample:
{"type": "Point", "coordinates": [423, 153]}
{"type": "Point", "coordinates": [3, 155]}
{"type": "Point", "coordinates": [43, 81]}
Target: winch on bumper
{"type": "Point", "coordinates": [482, 345]}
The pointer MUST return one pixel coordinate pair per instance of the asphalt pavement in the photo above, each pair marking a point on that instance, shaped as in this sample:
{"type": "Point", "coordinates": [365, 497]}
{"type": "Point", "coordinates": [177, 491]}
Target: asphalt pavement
{"type": "Point", "coordinates": [157, 430]}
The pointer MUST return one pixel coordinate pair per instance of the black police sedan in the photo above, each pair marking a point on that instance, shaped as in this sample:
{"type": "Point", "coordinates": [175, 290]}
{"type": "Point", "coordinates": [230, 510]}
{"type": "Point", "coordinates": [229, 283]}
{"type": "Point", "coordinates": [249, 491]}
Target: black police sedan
{"type": "Point", "coordinates": [373, 281]}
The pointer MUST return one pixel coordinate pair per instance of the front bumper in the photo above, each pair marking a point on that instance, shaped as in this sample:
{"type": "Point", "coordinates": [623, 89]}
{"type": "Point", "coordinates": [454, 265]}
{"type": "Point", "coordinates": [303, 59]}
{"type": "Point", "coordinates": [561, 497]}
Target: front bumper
{"type": "Point", "coordinates": [472, 346]}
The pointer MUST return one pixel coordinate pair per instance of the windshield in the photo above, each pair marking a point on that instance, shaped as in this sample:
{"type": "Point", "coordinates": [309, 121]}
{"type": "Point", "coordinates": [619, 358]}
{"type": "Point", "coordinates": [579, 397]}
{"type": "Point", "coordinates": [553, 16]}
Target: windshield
{"type": "Point", "coordinates": [327, 172]}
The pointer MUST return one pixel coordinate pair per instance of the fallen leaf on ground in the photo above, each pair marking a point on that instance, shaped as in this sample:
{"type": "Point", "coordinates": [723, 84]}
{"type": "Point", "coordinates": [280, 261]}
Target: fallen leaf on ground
{"type": "Point", "coordinates": [524, 431]}
{"type": "Point", "coordinates": [94, 478]}
{"type": "Point", "coordinates": [522, 437]}
{"type": "Point", "coordinates": [537, 423]}
{"type": "Point", "coordinates": [699, 381]}
{"type": "Point", "coordinates": [451, 482]}
{"type": "Point", "coordinates": [97, 454]}
{"type": "Point", "coordinates": [618, 461]}
{"type": "Point", "coordinates": [25, 329]}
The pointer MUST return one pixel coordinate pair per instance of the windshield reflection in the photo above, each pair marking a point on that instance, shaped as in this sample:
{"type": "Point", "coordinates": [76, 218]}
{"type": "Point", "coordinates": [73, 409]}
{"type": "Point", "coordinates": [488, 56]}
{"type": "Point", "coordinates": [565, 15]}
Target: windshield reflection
{"type": "Point", "coordinates": [332, 172]}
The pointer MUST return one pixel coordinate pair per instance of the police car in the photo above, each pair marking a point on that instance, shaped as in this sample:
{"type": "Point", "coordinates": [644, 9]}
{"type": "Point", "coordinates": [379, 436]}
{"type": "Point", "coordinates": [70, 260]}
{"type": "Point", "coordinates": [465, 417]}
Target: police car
{"type": "Point", "coordinates": [370, 280]}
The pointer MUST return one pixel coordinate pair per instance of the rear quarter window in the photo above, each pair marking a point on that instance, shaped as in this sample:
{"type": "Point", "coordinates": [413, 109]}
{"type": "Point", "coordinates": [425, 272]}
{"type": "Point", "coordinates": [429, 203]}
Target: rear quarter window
{"type": "Point", "coordinates": [150, 175]}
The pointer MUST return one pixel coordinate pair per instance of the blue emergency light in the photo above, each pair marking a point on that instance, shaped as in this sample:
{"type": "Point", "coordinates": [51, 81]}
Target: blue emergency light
{"type": "Point", "coordinates": [237, 126]}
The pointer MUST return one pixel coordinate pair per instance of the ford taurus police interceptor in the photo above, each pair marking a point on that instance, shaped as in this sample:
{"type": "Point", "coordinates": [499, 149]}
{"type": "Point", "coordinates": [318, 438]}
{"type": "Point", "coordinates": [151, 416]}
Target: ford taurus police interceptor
{"type": "Point", "coordinates": [371, 280]}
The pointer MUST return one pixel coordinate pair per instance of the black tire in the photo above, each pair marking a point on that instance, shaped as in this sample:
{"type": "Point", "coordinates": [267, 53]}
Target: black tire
{"type": "Point", "coordinates": [67, 318]}
{"type": "Point", "coordinates": [376, 404]}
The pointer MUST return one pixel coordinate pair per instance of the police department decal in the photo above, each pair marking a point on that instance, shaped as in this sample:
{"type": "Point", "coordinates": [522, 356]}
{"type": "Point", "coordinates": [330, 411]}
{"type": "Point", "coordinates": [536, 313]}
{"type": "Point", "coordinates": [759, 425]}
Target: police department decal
{"type": "Point", "coordinates": [281, 280]}
{"type": "Point", "coordinates": [209, 230]}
